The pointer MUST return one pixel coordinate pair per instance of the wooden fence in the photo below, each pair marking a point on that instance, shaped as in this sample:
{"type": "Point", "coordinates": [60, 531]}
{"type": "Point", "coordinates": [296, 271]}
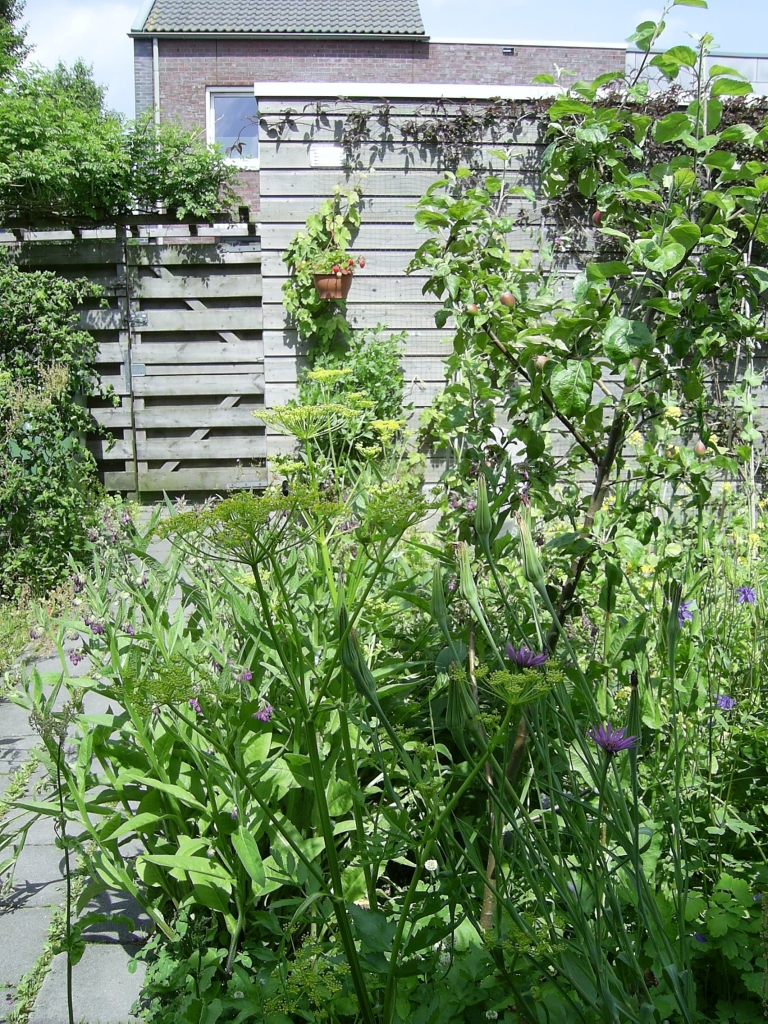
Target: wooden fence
{"type": "Point", "coordinates": [393, 177]}
{"type": "Point", "coordinates": [180, 333]}
{"type": "Point", "coordinates": [195, 338]}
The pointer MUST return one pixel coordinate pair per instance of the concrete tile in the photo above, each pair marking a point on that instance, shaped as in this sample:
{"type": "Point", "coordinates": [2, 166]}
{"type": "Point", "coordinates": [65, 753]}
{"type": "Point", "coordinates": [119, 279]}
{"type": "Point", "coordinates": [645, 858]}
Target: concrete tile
{"type": "Point", "coordinates": [38, 880]}
{"type": "Point", "coordinates": [118, 933]}
{"type": "Point", "coordinates": [103, 990]}
{"type": "Point", "coordinates": [22, 937]}
{"type": "Point", "coordinates": [14, 721]}
{"type": "Point", "coordinates": [41, 833]}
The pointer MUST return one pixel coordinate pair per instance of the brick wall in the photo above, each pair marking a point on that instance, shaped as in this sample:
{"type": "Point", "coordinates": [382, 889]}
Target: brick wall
{"type": "Point", "coordinates": [142, 75]}
{"type": "Point", "coordinates": [187, 66]}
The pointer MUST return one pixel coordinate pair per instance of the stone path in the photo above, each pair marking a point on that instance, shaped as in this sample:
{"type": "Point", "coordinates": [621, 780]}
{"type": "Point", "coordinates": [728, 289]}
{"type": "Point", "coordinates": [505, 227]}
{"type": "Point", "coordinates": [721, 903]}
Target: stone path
{"type": "Point", "coordinates": [104, 991]}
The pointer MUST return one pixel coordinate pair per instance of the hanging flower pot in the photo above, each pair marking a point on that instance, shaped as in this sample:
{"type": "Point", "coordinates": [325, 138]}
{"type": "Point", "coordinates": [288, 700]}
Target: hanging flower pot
{"type": "Point", "coordinates": [332, 270]}
{"type": "Point", "coordinates": [333, 286]}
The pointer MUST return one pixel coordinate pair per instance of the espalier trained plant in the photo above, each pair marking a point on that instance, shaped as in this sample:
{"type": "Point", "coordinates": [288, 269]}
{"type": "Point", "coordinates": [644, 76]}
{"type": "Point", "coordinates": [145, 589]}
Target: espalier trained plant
{"type": "Point", "coordinates": [611, 384]}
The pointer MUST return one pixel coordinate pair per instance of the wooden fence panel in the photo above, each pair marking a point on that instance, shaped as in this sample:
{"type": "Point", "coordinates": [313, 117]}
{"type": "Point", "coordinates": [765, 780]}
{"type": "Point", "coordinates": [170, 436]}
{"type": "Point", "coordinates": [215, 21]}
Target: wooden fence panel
{"type": "Point", "coordinates": [393, 177]}
{"type": "Point", "coordinates": [197, 359]}
{"type": "Point", "coordinates": [180, 345]}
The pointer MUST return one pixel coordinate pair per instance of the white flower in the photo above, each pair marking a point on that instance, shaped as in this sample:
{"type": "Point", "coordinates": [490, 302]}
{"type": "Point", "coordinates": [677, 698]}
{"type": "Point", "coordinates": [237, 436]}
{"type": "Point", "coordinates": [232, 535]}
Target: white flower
{"type": "Point", "coordinates": [430, 865]}
{"type": "Point", "coordinates": [491, 1015]}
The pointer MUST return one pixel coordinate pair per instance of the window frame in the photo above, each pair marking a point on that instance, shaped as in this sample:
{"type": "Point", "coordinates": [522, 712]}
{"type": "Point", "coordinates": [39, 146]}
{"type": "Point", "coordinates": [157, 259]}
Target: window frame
{"type": "Point", "coordinates": [244, 163]}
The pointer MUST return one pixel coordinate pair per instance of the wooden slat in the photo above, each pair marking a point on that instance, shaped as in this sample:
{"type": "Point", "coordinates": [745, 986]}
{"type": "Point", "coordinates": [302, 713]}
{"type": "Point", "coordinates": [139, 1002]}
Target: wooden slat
{"type": "Point", "coordinates": [211, 448]}
{"type": "Point", "coordinates": [320, 183]}
{"type": "Point", "coordinates": [111, 352]}
{"type": "Point", "coordinates": [195, 416]}
{"type": "Point", "coordinates": [207, 384]}
{"type": "Point", "coordinates": [247, 318]}
{"type": "Point", "coordinates": [102, 320]}
{"type": "Point", "coordinates": [117, 384]}
{"type": "Point", "coordinates": [194, 286]}
{"type": "Point", "coordinates": [209, 479]}
{"type": "Point", "coordinates": [422, 342]}
{"type": "Point", "coordinates": [186, 352]}
{"type": "Point", "coordinates": [365, 289]}
{"type": "Point", "coordinates": [376, 209]}
{"type": "Point", "coordinates": [306, 129]}
{"type": "Point", "coordinates": [112, 418]}
{"type": "Point", "coordinates": [372, 237]}
{"type": "Point", "coordinates": [295, 156]}
{"type": "Point", "coordinates": [104, 448]}
{"type": "Point", "coordinates": [408, 315]}
{"type": "Point", "coordinates": [385, 264]}
{"type": "Point", "coordinates": [191, 253]}
{"type": "Point", "coordinates": [193, 369]}
{"type": "Point", "coordinates": [53, 254]}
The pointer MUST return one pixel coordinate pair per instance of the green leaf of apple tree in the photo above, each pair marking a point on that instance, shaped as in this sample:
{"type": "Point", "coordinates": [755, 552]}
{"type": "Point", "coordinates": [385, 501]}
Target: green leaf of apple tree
{"type": "Point", "coordinates": [626, 339]}
{"type": "Point", "coordinates": [572, 387]}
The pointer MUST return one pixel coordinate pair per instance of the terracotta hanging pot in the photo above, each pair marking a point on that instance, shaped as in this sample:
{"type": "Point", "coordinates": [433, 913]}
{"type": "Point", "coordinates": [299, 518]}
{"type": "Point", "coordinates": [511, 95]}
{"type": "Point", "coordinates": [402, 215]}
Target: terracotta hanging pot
{"type": "Point", "coordinates": [329, 286]}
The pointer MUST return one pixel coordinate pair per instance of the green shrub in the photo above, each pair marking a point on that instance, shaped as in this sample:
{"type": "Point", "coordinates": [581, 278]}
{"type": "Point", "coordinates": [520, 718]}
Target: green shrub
{"type": "Point", "coordinates": [48, 487]}
{"type": "Point", "coordinates": [62, 154]}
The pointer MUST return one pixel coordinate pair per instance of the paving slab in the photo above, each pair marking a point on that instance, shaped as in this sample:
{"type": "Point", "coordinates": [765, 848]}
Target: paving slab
{"type": "Point", "coordinates": [103, 990]}
{"type": "Point", "coordinates": [22, 937]}
{"type": "Point", "coordinates": [14, 721]}
{"type": "Point", "coordinates": [37, 881]}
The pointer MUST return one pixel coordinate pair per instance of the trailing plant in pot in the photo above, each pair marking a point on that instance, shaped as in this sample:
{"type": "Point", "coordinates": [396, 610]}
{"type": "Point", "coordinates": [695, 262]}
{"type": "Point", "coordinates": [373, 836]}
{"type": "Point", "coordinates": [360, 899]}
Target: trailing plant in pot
{"type": "Point", "coordinates": [332, 271]}
{"type": "Point", "coordinates": [320, 269]}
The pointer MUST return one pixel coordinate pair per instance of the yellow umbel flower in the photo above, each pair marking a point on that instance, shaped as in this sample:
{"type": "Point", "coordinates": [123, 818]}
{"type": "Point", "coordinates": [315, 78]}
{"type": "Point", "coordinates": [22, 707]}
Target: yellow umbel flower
{"type": "Point", "coordinates": [323, 376]}
{"type": "Point", "coordinates": [673, 412]}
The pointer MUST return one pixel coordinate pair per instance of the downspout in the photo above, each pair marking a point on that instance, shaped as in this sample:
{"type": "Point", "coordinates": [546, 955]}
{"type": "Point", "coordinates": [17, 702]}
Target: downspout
{"type": "Point", "coordinates": [156, 76]}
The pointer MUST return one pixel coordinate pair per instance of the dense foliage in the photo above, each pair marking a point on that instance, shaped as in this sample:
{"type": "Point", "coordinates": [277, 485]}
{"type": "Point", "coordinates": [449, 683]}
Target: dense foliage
{"type": "Point", "coordinates": [510, 770]}
{"type": "Point", "coordinates": [64, 155]}
{"type": "Point", "coordinates": [47, 475]}
{"type": "Point", "coordinates": [12, 44]}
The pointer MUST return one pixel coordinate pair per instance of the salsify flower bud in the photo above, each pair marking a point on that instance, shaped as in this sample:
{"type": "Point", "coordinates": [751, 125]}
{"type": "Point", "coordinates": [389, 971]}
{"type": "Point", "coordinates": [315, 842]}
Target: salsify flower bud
{"type": "Point", "coordinates": [438, 609]}
{"type": "Point", "coordinates": [466, 580]}
{"type": "Point", "coordinates": [483, 522]}
{"type": "Point", "coordinates": [532, 569]}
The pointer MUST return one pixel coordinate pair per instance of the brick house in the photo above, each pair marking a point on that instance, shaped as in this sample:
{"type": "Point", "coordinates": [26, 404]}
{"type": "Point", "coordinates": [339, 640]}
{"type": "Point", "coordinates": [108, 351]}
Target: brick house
{"type": "Point", "coordinates": [200, 62]}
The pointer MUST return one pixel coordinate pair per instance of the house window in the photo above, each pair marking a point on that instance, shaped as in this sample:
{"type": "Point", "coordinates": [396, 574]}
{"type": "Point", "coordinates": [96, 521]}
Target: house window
{"type": "Point", "coordinates": [233, 123]}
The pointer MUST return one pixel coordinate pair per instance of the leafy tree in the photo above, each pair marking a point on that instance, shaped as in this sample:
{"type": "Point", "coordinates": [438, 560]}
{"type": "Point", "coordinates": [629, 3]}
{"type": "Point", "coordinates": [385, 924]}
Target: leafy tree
{"type": "Point", "coordinates": [63, 154]}
{"type": "Point", "coordinates": [12, 37]}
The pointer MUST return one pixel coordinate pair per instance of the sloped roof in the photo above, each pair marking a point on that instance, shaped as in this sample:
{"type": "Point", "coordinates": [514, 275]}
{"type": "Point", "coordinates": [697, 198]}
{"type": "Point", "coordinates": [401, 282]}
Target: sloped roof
{"type": "Point", "coordinates": [285, 17]}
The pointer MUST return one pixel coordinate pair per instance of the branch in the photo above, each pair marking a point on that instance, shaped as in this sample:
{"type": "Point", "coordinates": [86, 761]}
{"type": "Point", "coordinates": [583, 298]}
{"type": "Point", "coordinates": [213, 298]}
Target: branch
{"type": "Point", "coordinates": [570, 427]}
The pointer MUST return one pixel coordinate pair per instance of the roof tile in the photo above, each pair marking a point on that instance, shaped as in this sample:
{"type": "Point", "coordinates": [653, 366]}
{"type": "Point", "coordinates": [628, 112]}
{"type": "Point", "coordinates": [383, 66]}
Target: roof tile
{"type": "Point", "coordinates": [346, 17]}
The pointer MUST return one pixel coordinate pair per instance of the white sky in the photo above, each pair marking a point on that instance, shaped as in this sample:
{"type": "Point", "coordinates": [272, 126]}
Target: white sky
{"type": "Point", "coordinates": [96, 29]}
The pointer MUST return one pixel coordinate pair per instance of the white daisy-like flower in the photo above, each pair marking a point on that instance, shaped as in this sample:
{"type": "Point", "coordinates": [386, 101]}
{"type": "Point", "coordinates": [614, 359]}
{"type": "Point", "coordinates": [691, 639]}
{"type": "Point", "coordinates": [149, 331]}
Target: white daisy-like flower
{"type": "Point", "coordinates": [430, 865]}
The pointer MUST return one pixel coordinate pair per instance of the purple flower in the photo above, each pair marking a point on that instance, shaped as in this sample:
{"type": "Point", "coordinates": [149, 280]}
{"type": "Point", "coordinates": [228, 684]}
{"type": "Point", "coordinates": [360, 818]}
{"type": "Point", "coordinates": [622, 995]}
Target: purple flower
{"type": "Point", "coordinates": [78, 584]}
{"type": "Point", "coordinates": [745, 595]}
{"type": "Point", "coordinates": [92, 535]}
{"type": "Point", "coordinates": [264, 714]}
{"type": "Point", "coordinates": [725, 702]}
{"type": "Point", "coordinates": [129, 630]}
{"type": "Point", "coordinates": [97, 628]}
{"type": "Point", "coordinates": [34, 635]}
{"type": "Point", "coordinates": [611, 740]}
{"type": "Point", "coordinates": [685, 612]}
{"type": "Point", "coordinates": [245, 676]}
{"type": "Point", "coordinates": [126, 518]}
{"type": "Point", "coordinates": [195, 705]}
{"type": "Point", "coordinates": [471, 505]}
{"type": "Point", "coordinates": [76, 657]}
{"type": "Point", "coordinates": [699, 937]}
{"type": "Point", "coordinates": [525, 658]}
